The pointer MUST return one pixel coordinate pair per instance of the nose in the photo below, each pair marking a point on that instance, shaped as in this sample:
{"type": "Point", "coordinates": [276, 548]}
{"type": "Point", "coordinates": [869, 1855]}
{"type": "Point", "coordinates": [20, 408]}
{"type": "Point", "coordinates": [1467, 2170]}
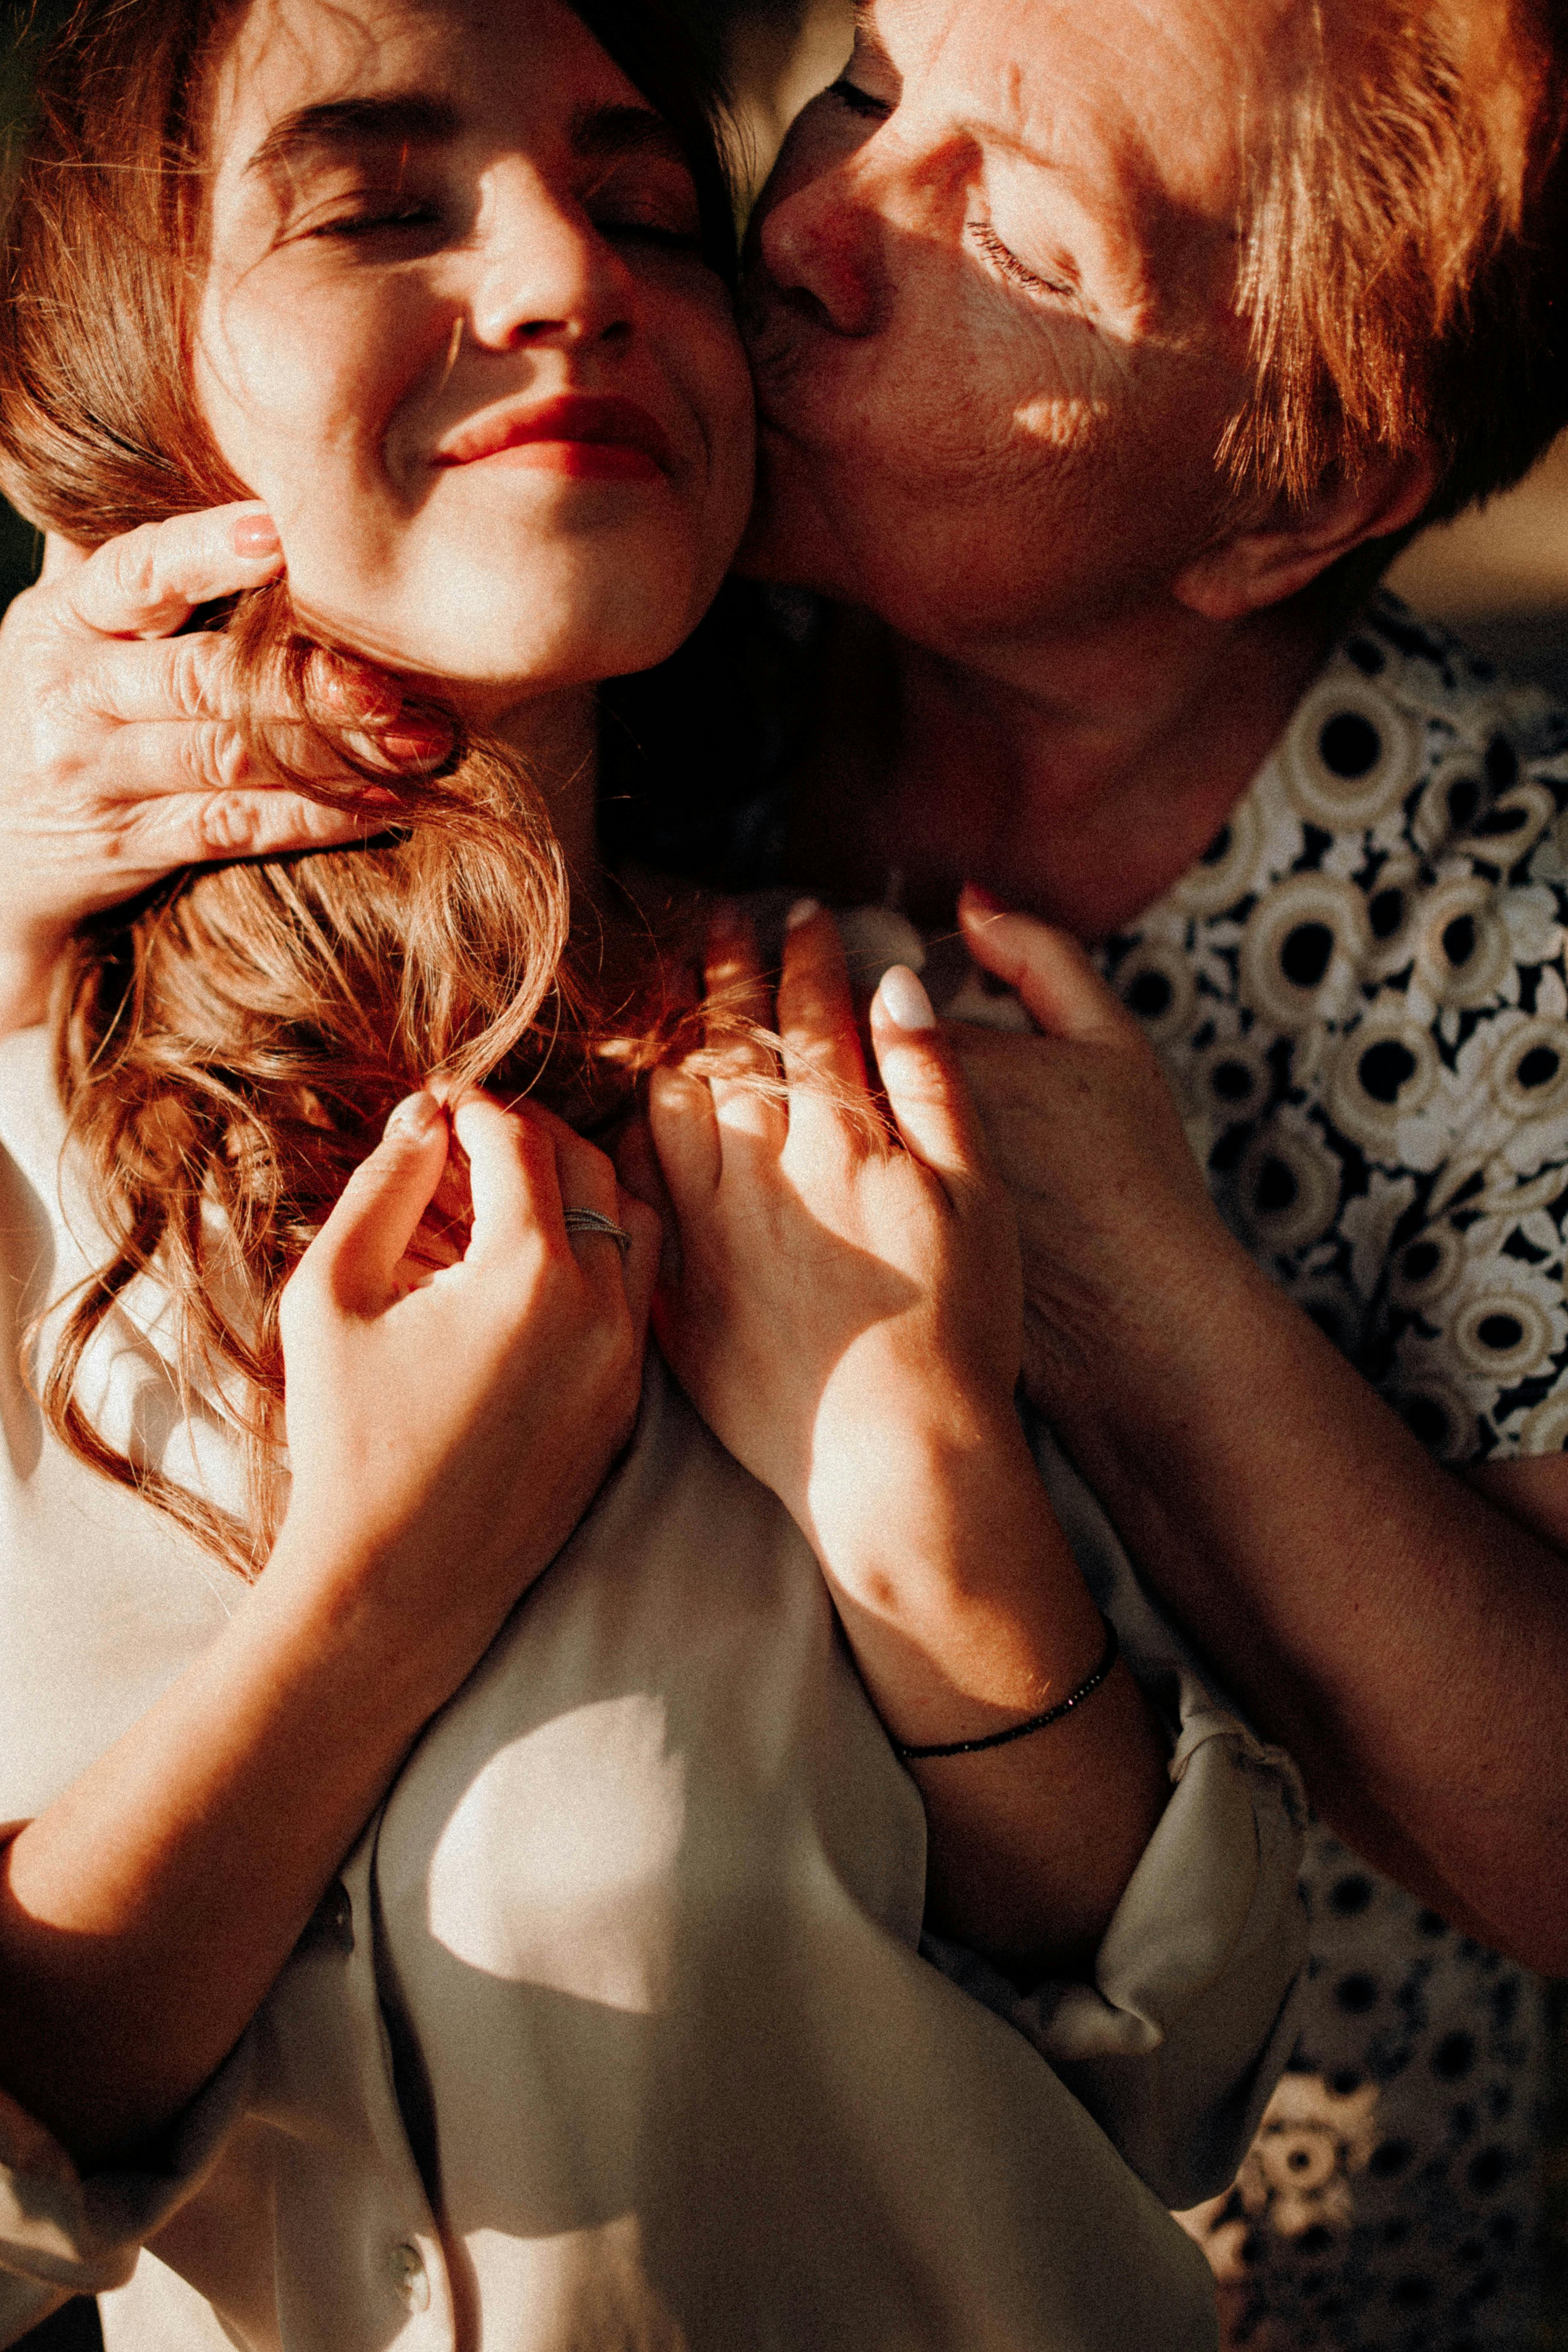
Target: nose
{"type": "Point", "coordinates": [547, 278]}
{"type": "Point", "coordinates": [820, 243]}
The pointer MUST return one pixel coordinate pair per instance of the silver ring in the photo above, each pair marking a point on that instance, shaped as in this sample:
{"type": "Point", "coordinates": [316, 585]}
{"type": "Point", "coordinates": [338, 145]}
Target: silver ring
{"type": "Point", "coordinates": [589, 1221]}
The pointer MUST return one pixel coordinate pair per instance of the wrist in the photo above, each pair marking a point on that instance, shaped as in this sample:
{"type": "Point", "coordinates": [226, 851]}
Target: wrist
{"type": "Point", "coordinates": [1124, 1357]}
{"type": "Point", "coordinates": [929, 1493]}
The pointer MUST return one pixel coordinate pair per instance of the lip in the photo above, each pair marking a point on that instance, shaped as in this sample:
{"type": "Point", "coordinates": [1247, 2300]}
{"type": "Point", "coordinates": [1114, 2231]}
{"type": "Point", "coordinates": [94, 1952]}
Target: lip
{"type": "Point", "coordinates": [589, 437]}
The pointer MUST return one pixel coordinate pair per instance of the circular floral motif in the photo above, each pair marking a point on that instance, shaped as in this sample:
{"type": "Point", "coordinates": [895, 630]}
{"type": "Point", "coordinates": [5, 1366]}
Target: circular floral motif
{"type": "Point", "coordinates": [1438, 1415]}
{"type": "Point", "coordinates": [1227, 868]}
{"type": "Point", "coordinates": [1384, 1071]}
{"type": "Point", "coordinates": [1351, 753]}
{"type": "Point", "coordinates": [1529, 1073]}
{"type": "Point", "coordinates": [1426, 1268]}
{"type": "Point", "coordinates": [1304, 940]}
{"type": "Point", "coordinates": [1464, 952]}
{"type": "Point", "coordinates": [1508, 827]}
{"type": "Point", "coordinates": [1289, 1186]}
{"type": "Point", "coordinates": [1504, 1334]}
{"type": "Point", "coordinates": [1156, 983]}
{"type": "Point", "coordinates": [1232, 1080]}
{"type": "Point", "coordinates": [1454, 792]}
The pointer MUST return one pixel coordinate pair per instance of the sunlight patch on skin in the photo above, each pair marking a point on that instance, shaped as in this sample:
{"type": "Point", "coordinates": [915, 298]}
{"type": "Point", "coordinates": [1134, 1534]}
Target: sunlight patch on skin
{"type": "Point", "coordinates": [1062, 422]}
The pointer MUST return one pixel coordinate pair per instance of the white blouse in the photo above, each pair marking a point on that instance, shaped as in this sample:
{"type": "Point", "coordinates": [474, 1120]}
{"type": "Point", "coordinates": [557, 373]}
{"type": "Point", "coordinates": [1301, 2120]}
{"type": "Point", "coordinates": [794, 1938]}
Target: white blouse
{"type": "Point", "coordinates": [617, 2028]}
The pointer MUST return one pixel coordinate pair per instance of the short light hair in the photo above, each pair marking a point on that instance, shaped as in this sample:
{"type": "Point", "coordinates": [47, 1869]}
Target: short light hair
{"type": "Point", "coordinates": [1404, 264]}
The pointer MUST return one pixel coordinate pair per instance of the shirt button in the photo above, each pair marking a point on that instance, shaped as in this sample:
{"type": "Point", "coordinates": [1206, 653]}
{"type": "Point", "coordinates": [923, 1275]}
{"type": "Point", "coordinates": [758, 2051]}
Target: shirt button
{"type": "Point", "coordinates": [408, 2276]}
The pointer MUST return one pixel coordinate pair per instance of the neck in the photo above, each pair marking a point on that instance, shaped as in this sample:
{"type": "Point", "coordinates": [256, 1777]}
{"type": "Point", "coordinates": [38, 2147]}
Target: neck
{"type": "Point", "coordinates": [1078, 776]}
{"type": "Point", "coordinates": [556, 736]}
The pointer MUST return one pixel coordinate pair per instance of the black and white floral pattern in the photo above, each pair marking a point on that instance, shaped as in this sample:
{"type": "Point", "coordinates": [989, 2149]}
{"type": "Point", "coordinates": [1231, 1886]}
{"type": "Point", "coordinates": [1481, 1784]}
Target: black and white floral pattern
{"type": "Point", "coordinates": [1359, 996]}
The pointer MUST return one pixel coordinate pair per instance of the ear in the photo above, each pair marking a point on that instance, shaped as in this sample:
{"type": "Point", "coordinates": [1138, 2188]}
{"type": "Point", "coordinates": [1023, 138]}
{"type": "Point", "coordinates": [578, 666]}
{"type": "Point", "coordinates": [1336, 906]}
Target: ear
{"type": "Point", "coordinates": [1278, 557]}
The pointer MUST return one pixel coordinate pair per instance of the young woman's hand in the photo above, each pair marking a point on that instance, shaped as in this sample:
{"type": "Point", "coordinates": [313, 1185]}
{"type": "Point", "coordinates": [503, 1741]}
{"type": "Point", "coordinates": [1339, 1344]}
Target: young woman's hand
{"type": "Point", "coordinates": [847, 1316]}
{"type": "Point", "coordinates": [865, 1282]}
{"type": "Point", "coordinates": [449, 1424]}
{"type": "Point", "coordinates": [119, 755]}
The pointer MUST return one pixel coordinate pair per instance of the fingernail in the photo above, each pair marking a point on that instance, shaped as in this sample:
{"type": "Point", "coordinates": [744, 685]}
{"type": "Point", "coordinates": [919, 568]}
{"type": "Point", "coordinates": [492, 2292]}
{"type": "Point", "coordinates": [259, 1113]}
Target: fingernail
{"type": "Point", "coordinates": [974, 899]}
{"type": "Point", "coordinates": [904, 1001]}
{"type": "Point", "coordinates": [415, 1116]}
{"type": "Point", "coordinates": [802, 912]}
{"type": "Point", "coordinates": [257, 535]}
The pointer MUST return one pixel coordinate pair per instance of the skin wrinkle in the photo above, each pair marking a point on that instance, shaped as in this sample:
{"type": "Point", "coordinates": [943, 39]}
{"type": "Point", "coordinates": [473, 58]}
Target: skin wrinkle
{"type": "Point", "coordinates": [1031, 387]}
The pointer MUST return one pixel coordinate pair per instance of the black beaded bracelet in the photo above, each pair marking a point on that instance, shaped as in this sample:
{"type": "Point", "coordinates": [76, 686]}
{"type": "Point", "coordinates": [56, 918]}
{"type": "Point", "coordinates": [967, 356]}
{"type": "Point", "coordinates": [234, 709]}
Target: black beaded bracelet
{"type": "Point", "coordinates": [1085, 1689]}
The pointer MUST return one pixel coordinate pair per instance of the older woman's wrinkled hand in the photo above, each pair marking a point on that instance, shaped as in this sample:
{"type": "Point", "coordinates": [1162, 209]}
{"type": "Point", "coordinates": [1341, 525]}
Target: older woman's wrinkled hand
{"type": "Point", "coordinates": [1119, 1239]}
{"type": "Point", "coordinates": [120, 757]}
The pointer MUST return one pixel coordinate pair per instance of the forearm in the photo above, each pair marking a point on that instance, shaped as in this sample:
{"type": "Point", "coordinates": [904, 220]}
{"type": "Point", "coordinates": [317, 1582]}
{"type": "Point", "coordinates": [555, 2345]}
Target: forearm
{"type": "Point", "coordinates": [144, 1914]}
{"type": "Point", "coordinates": [967, 1615]}
{"type": "Point", "coordinates": [1401, 1637]}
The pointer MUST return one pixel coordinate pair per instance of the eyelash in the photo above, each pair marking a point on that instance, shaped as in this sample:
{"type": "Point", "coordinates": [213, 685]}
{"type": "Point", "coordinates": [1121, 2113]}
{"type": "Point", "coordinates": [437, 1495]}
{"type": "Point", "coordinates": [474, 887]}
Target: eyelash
{"type": "Point", "coordinates": [667, 240]}
{"type": "Point", "coordinates": [353, 224]}
{"type": "Point", "coordinates": [1009, 263]}
{"type": "Point", "coordinates": [858, 101]}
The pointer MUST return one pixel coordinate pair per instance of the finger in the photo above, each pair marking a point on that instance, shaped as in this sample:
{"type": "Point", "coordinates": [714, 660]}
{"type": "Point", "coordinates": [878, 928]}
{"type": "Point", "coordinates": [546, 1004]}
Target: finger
{"type": "Point", "coordinates": [149, 582]}
{"type": "Point", "coordinates": [744, 1079]}
{"type": "Point", "coordinates": [816, 1009]}
{"type": "Point", "coordinates": [638, 1170]}
{"type": "Point", "coordinates": [1055, 980]}
{"type": "Point", "coordinates": [684, 1125]}
{"type": "Point", "coordinates": [927, 1092]}
{"type": "Point", "coordinates": [513, 1180]}
{"type": "Point", "coordinates": [166, 680]}
{"type": "Point", "coordinates": [195, 828]}
{"type": "Point", "coordinates": [363, 1243]}
{"type": "Point", "coordinates": [640, 1266]}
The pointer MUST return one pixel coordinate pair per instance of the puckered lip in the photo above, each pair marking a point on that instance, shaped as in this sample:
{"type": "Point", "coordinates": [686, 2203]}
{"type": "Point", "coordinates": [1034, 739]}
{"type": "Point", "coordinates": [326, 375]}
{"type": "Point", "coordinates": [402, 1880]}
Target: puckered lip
{"type": "Point", "coordinates": [603, 420]}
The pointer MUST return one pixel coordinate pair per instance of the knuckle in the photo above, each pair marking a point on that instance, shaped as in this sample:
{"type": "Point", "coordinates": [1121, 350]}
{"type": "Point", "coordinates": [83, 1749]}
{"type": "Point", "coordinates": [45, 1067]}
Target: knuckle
{"type": "Point", "coordinates": [211, 755]}
{"type": "Point", "coordinates": [190, 675]}
{"type": "Point", "coordinates": [225, 823]}
{"type": "Point", "coordinates": [132, 563]}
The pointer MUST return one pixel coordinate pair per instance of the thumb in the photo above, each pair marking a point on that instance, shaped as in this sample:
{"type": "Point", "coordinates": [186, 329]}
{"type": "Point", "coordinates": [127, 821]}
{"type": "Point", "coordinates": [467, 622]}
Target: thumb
{"type": "Point", "coordinates": [1053, 978]}
{"type": "Point", "coordinates": [928, 1093]}
{"type": "Point", "coordinates": [359, 1247]}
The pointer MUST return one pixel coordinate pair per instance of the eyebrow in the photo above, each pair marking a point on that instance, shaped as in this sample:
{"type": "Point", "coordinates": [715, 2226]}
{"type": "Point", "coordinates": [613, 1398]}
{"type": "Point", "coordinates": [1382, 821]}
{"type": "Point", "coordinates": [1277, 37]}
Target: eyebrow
{"type": "Point", "coordinates": [408, 119]}
{"type": "Point", "coordinates": [414, 118]}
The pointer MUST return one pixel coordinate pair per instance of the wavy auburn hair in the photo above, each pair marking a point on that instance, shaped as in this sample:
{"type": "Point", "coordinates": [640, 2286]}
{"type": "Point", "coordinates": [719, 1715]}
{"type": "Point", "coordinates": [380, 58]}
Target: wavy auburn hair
{"type": "Point", "coordinates": [228, 1046]}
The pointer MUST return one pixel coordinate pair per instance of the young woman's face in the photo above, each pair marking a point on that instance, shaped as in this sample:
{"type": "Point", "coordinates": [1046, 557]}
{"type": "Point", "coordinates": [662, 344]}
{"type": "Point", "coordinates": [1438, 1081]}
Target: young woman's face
{"type": "Point", "coordinates": [458, 332]}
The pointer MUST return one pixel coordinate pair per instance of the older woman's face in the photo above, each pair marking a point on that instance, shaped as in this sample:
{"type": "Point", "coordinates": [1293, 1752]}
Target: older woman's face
{"type": "Point", "coordinates": [458, 332]}
{"type": "Point", "coordinates": [990, 310]}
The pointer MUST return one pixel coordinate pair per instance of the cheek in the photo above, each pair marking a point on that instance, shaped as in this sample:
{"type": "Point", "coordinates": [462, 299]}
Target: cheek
{"type": "Point", "coordinates": [299, 384]}
{"type": "Point", "coordinates": [702, 353]}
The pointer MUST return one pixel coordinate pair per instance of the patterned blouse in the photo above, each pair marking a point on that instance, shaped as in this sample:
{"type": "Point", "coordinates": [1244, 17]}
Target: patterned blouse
{"type": "Point", "coordinates": [1359, 996]}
